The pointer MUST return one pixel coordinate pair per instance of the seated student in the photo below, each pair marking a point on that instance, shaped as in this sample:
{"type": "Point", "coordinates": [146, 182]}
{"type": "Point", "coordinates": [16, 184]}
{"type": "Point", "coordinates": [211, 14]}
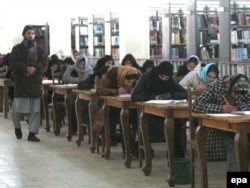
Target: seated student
{"type": "Point", "coordinates": [200, 77]}
{"type": "Point", "coordinates": [106, 60]}
{"type": "Point", "coordinates": [236, 91]}
{"type": "Point", "coordinates": [75, 74]}
{"type": "Point", "coordinates": [129, 60]}
{"type": "Point", "coordinates": [159, 84]}
{"type": "Point", "coordinates": [147, 66]}
{"type": "Point", "coordinates": [78, 72]}
{"type": "Point", "coordinates": [119, 80]}
{"type": "Point", "coordinates": [188, 66]}
{"type": "Point", "coordinates": [53, 67]}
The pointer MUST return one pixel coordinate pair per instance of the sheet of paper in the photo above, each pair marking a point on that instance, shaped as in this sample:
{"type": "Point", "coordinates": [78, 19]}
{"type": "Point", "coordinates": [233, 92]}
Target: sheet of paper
{"type": "Point", "coordinates": [223, 115]}
{"type": "Point", "coordinates": [125, 95]}
{"type": "Point", "coordinates": [241, 112]}
{"type": "Point", "coordinates": [166, 101]}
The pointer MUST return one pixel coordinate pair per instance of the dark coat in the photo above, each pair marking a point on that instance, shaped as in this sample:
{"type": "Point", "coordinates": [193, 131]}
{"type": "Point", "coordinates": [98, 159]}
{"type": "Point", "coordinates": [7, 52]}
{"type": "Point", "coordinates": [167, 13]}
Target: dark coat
{"type": "Point", "coordinates": [27, 86]}
{"type": "Point", "coordinates": [145, 89]}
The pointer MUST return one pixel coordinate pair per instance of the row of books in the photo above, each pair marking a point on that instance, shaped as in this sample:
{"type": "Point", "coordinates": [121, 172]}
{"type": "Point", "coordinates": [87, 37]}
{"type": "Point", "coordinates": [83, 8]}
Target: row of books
{"type": "Point", "coordinates": [211, 36]}
{"type": "Point", "coordinates": [178, 38]}
{"type": "Point", "coordinates": [83, 41]}
{"type": "Point", "coordinates": [240, 36]}
{"type": "Point", "coordinates": [239, 54]}
{"type": "Point", "coordinates": [205, 21]}
{"type": "Point", "coordinates": [155, 38]}
{"type": "Point", "coordinates": [155, 24]}
{"type": "Point", "coordinates": [99, 52]}
{"type": "Point", "coordinates": [240, 18]}
{"type": "Point", "coordinates": [156, 52]}
{"type": "Point", "coordinates": [115, 27]}
{"type": "Point", "coordinates": [203, 54]}
{"type": "Point", "coordinates": [178, 22]}
{"type": "Point", "coordinates": [115, 40]}
{"type": "Point", "coordinates": [99, 40]}
{"type": "Point", "coordinates": [178, 52]}
{"type": "Point", "coordinates": [98, 29]}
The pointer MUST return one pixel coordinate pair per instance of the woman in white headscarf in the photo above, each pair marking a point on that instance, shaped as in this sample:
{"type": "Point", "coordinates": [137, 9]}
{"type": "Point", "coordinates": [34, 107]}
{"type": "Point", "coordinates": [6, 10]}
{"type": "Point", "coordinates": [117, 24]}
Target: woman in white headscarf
{"type": "Point", "coordinates": [79, 71]}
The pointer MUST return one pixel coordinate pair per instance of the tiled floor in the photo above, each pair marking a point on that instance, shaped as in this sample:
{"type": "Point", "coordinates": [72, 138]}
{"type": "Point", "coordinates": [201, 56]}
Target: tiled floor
{"type": "Point", "coordinates": [55, 162]}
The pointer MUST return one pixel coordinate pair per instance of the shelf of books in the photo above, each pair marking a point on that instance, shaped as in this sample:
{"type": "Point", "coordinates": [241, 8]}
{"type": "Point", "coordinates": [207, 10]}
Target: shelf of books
{"type": "Point", "coordinates": [208, 35]}
{"type": "Point", "coordinates": [176, 27]}
{"type": "Point", "coordinates": [240, 31]}
{"type": "Point", "coordinates": [155, 34]}
{"type": "Point", "coordinates": [42, 36]}
{"type": "Point", "coordinates": [98, 35]}
{"type": "Point", "coordinates": [83, 35]}
{"type": "Point", "coordinates": [114, 33]}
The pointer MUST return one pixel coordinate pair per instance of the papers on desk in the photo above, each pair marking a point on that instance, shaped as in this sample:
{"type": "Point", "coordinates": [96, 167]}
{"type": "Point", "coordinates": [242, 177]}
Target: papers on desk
{"type": "Point", "coordinates": [70, 85]}
{"type": "Point", "coordinates": [166, 101]}
{"type": "Point", "coordinates": [223, 115]}
{"type": "Point", "coordinates": [125, 95]}
{"type": "Point", "coordinates": [49, 81]}
{"type": "Point", "coordinates": [241, 112]}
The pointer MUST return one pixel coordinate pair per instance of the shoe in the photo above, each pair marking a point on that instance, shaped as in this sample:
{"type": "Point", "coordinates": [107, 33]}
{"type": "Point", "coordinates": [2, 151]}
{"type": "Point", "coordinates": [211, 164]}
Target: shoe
{"type": "Point", "coordinates": [32, 137]}
{"type": "Point", "coordinates": [18, 133]}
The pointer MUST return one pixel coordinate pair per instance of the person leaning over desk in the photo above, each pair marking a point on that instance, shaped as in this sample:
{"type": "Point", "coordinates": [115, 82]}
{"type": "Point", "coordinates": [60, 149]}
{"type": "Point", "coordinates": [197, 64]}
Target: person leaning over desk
{"type": "Point", "coordinates": [231, 93]}
{"type": "Point", "coordinates": [119, 80]}
{"type": "Point", "coordinates": [159, 84]}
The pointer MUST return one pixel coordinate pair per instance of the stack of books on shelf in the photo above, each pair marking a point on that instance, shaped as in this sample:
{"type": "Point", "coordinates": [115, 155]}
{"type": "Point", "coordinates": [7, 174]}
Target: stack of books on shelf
{"type": "Point", "coordinates": [83, 41]}
{"type": "Point", "coordinates": [115, 40]}
{"type": "Point", "coordinates": [98, 52]}
{"type": "Point", "coordinates": [203, 54]}
{"type": "Point", "coordinates": [98, 29]}
{"type": "Point", "coordinates": [239, 54]}
{"type": "Point", "coordinates": [98, 40]}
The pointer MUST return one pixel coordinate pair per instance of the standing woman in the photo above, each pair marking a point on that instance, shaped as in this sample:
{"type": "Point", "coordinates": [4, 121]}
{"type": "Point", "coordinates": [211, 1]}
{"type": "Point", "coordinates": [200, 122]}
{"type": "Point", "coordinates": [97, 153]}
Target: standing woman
{"type": "Point", "coordinates": [28, 62]}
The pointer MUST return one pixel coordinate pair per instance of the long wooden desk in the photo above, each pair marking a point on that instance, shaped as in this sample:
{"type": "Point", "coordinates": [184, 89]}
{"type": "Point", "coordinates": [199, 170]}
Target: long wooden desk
{"type": "Point", "coordinates": [169, 112]}
{"type": "Point", "coordinates": [4, 100]}
{"type": "Point", "coordinates": [92, 108]}
{"type": "Point", "coordinates": [67, 91]}
{"type": "Point", "coordinates": [238, 124]}
{"type": "Point", "coordinates": [123, 103]}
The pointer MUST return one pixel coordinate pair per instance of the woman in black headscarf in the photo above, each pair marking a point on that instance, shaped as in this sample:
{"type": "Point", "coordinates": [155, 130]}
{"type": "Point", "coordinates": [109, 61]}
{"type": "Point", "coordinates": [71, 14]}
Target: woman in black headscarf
{"type": "Point", "coordinates": [159, 84]}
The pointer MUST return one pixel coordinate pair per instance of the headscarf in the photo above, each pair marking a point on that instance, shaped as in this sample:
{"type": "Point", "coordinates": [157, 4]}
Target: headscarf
{"type": "Point", "coordinates": [158, 86]}
{"type": "Point", "coordinates": [192, 56]}
{"type": "Point", "coordinates": [204, 72]}
{"type": "Point", "coordinates": [237, 83]}
{"type": "Point", "coordinates": [165, 68]}
{"type": "Point", "coordinates": [87, 68]}
{"type": "Point", "coordinates": [126, 72]}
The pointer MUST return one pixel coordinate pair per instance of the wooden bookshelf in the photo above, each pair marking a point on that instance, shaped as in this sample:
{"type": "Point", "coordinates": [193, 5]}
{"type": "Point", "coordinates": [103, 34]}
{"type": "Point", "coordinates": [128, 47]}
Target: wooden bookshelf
{"type": "Point", "coordinates": [114, 35]}
{"type": "Point", "coordinates": [98, 35]}
{"type": "Point", "coordinates": [42, 36]}
{"type": "Point", "coordinates": [155, 34]}
{"type": "Point", "coordinates": [175, 31]}
{"type": "Point", "coordinates": [208, 35]}
{"type": "Point", "coordinates": [240, 31]}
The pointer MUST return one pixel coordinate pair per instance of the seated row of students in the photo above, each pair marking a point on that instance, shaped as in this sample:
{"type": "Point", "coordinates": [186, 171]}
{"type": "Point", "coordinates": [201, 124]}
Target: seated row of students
{"type": "Point", "coordinates": [157, 84]}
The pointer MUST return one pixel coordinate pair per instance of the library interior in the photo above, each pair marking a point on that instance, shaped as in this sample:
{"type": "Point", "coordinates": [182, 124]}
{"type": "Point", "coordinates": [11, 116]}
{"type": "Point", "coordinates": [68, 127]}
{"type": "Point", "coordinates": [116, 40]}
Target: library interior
{"type": "Point", "coordinates": [212, 31]}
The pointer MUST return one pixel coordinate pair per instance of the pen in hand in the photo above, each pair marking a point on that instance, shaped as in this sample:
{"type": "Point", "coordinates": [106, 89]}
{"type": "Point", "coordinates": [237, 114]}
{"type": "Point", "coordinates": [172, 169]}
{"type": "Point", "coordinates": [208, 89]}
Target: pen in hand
{"type": "Point", "coordinates": [225, 100]}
